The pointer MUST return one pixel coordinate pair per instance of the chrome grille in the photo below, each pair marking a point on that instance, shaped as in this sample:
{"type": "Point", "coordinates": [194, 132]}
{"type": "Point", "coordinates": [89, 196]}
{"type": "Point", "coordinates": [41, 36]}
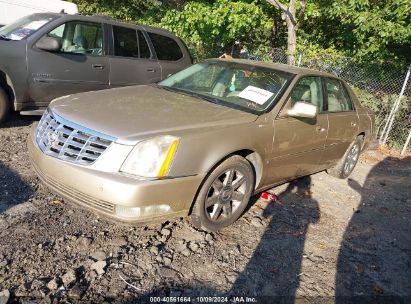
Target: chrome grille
{"type": "Point", "coordinates": [62, 139]}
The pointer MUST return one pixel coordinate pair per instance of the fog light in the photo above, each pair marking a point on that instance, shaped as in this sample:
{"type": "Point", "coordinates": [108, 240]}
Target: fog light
{"type": "Point", "coordinates": [128, 212]}
{"type": "Point", "coordinates": [156, 209]}
{"type": "Point", "coordinates": [136, 212]}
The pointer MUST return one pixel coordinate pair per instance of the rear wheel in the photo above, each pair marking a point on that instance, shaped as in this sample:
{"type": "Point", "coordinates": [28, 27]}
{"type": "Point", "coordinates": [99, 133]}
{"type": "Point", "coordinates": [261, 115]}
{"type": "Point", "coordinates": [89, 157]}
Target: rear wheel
{"type": "Point", "coordinates": [224, 194]}
{"type": "Point", "coordinates": [347, 163]}
{"type": "Point", "coordinates": [4, 106]}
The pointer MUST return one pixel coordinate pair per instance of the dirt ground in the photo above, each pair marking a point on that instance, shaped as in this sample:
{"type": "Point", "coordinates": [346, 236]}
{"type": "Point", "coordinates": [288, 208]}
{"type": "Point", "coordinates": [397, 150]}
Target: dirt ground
{"type": "Point", "coordinates": [323, 240]}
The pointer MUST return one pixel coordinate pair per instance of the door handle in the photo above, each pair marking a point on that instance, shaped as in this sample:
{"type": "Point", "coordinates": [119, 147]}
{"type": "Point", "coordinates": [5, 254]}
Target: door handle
{"type": "Point", "coordinates": [320, 129]}
{"type": "Point", "coordinates": [353, 124]}
{"type": "Point", "coordinates": [98, 66]}
{"type": "Point", "coordinates": [151, 70]}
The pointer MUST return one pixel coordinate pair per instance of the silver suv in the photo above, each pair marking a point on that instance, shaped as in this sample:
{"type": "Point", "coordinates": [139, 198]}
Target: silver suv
{"type": "Point", "coordinates": [44, 56]}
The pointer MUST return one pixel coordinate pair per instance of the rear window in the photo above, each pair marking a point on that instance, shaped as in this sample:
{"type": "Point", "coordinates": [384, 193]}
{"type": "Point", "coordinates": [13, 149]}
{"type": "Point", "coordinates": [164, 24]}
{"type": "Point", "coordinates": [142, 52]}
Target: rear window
{"type": "Point", "coordinates": [166, 47]}
{"type": "Point", "coordinates": [125, 42]}
{"type": "Point", "coordinates": [337, 95]}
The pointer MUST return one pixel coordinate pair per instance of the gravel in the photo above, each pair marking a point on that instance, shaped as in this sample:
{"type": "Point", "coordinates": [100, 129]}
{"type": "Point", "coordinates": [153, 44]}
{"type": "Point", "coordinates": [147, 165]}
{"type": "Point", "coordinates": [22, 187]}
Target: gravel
{"type": "Point", "coordinates": [323, 237]}
{"type": "Point", "coordinates": [99, 267]}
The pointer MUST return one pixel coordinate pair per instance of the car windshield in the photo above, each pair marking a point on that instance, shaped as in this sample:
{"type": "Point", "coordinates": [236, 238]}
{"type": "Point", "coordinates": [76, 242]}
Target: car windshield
{"type": "Point", "coordinates": [242, 86]}
{"type": "Point", "coordinates": [23, 27]}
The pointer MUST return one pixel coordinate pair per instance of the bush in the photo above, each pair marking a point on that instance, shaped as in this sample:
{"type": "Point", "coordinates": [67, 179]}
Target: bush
{"type": "Point", "coordinates": [381, 105]}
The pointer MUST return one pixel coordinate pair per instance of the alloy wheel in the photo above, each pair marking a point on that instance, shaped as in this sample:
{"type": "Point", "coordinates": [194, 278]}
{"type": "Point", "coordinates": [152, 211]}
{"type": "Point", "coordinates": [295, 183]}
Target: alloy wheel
{"type": "Point", "coordinates": [352, 158]}
{"type": "Point", "coordinates": [225, 195]}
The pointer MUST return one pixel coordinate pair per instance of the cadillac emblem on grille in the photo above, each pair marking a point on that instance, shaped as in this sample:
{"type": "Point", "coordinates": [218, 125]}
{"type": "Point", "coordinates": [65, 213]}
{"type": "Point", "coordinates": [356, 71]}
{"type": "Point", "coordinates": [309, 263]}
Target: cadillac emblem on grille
{"type": "Point", "coordinates": [65, 140]}
{"type": "Point", "coordinates": [52, 139]}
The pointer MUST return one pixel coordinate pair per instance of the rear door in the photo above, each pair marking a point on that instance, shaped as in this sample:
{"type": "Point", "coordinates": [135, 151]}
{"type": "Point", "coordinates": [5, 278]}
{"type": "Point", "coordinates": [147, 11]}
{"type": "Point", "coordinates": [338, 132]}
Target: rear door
{"type": "Point", "coordinates": [80, 65]}
{"type": "Point", "coordinates": [299, 142]}
{"type": "Point", "coordinates": [172, 54]}
{"type": "Point", "coordinates": [342, 119]}
{"type": "Point", "coordinates": [131, 62]}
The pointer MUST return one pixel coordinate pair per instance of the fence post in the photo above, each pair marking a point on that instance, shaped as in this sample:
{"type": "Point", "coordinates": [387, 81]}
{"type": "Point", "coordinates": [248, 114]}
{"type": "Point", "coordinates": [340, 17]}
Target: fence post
{"type": "Point", "coordinates": [394, 109]}
{"type": "Point", "coordinates": [299, 59]}
{"type": "Point", "coordinates": [406, 143]}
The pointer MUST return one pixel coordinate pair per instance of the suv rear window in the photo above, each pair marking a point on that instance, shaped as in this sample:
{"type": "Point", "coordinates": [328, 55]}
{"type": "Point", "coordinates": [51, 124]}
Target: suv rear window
{"type": "Point", "coordinates": [166, 47]}
{"type": "Point", "coordinates": [125, 42]}
{"type": "Point", "coordinates": [130, 43]}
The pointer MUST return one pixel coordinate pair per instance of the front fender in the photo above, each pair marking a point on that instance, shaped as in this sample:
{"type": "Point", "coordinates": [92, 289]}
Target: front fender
{"type": "Point", "coordinates": [201, 150]}
{"type": "Point", "coordinates": [13, 70]}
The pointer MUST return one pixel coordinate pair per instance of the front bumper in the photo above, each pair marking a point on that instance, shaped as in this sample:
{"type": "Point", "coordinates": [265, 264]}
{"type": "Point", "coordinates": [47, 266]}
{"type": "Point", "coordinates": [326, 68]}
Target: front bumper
{"type": "Point", "coordinates": [112, 194]}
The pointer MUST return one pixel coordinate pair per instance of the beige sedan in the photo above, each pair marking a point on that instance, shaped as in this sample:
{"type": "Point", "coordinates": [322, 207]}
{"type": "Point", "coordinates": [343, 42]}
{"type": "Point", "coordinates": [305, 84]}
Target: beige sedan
{"type": "Point", "coordinates": [199, 143]}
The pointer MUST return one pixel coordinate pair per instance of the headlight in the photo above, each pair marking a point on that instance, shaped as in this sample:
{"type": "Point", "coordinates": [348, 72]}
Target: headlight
{"type": "Point", "coordinates": [152, 157]}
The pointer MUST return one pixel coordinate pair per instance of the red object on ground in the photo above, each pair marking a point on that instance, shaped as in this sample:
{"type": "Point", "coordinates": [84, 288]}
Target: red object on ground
{"type": "Point", "coordinates": [268, 196]}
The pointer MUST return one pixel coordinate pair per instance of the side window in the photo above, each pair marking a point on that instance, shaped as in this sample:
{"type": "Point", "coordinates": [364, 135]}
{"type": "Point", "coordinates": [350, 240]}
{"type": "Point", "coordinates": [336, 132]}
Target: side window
{"type": "Point", "coordinates": [79, 38]}
{"type": "Point", "coordinates": [142, 43]}
{"type": "Point", "coordinates": [346, 98]}
{"type": "Point", "coordinates": [166, 47]}
{"type": "Point", "coordinates": [125, 42]}
{"type": "Point", "coordinates": [338, 97]}
{"type": "Point", "coordinates": [308, 89]}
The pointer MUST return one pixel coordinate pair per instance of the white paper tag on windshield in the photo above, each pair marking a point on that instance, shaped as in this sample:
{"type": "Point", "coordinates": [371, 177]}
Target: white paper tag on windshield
{"type": "Point", "coordinates": [255, 94]}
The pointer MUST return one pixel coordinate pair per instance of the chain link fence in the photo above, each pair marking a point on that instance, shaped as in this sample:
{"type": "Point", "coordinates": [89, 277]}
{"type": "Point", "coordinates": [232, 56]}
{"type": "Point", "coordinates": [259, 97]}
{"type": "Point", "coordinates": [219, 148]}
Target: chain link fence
{"type": "Point", "coordinates": [383, 88]}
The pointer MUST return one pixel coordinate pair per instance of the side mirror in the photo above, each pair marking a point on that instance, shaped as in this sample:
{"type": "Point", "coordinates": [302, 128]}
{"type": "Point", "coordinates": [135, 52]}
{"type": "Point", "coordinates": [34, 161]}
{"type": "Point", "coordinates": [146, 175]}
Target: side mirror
{"type": "Point", "coordinates": [303, 109]}
{"type": "Point", "coordinates": [48, 44]}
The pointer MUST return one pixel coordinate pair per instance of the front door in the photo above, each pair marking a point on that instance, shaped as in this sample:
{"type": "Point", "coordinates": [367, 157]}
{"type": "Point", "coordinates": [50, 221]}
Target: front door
{"type": "Point", "coordinates": [79, 66]}
{"type": "Point", "coordinates": [343, 121]}
{"type": "Point", "coordinates": [133, 62]}
{"type": "Point", "coordinates": [299, 142]}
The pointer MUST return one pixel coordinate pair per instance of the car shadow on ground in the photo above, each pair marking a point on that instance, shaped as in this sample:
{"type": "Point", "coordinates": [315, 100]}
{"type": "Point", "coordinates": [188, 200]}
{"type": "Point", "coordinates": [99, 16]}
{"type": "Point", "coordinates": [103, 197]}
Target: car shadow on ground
{"type": "Point", "coordinates": [374, 261]}
{"type": "Point", "coordinates": [273, 270]}
{"type": "Point", "coordinates": [13, 190]}
{"type": "Point", "coordinates": [17, 120]}
{"type": "Point", "coordinates": [275, 265]}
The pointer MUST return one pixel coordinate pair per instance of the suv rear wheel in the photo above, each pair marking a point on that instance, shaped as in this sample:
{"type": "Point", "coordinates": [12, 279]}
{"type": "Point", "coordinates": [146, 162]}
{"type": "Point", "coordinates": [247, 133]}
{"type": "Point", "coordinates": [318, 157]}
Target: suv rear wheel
{"type": "Point", "coordinates": [4, 106]}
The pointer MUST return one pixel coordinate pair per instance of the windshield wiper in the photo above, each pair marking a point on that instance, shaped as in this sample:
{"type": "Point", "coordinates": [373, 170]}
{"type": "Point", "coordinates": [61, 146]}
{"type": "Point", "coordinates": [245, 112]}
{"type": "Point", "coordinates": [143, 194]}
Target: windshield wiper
{"type": "Point", "coordinates": [4, 37]}
{"type": "Point", "coordinates": [191, 93]}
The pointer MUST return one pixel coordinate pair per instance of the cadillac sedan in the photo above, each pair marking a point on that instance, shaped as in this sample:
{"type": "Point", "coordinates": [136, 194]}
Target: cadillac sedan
{"type": "Point", "coordinates": [199, 143]}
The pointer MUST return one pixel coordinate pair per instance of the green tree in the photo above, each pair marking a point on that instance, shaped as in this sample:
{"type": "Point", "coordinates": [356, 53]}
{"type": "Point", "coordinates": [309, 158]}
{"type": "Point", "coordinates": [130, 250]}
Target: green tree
{"type": "Point", "coordinates": [366, 29]}
{"type": "Point", "coordinates": [210, 27]}
{"type": "Point", "coordinates": [293, 20]}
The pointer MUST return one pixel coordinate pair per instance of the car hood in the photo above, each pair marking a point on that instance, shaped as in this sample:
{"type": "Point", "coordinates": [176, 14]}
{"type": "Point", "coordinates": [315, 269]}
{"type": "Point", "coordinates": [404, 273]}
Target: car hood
{"type": "Point", "coordinates": [136, 112]}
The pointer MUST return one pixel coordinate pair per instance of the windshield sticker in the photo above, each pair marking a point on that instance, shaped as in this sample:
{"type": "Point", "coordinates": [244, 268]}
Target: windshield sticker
{"type": "Point", "coordinates": [255, 94]}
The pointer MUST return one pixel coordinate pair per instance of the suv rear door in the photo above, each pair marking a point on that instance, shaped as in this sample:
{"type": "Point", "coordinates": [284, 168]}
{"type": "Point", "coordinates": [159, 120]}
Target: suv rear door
{"type": "Point", "coordinates": [80, 65]}
{"type": "Point", "coordinates": [131, 60]}
{"type": "Point", "coordinates": [171, 52]}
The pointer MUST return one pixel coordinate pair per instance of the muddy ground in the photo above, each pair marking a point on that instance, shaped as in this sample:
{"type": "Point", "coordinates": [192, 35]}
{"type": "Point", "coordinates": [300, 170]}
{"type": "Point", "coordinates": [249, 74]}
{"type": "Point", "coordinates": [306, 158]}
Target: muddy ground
{"type": "Point", "coordinates": [323, 240]}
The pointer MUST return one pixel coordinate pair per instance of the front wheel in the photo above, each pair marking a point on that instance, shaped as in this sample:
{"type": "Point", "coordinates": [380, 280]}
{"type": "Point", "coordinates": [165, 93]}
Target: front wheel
{"type": "Point", "coordinates": [224, 194]}
{"type": "Point", "coordinates": [347, 163]}
{"type": "Point", "coordinates": [4, 106]}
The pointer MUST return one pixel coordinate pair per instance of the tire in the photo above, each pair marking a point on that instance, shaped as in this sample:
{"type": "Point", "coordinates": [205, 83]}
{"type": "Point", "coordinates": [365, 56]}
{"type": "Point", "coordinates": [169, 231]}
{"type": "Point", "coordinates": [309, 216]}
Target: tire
{"type": "Point", "coordinates": [347, 163]}
{"type": "Point", "coordinates": [4, 106]}
{"type": "Point", "coordinates": [224, 195]}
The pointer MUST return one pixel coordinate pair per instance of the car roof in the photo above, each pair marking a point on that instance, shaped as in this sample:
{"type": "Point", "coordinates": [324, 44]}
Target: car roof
{"type": "Point", "coordinates": [105, 19]}
{"type": "Point", "coordinates": [278, 66]}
